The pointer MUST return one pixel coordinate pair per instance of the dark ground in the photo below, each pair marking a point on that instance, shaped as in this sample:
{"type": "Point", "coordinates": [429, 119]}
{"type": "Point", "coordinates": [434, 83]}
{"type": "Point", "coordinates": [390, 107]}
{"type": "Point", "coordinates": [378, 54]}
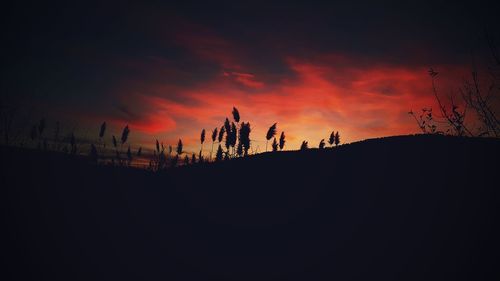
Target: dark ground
{"type": "Point", "coordinates": [399, 208]}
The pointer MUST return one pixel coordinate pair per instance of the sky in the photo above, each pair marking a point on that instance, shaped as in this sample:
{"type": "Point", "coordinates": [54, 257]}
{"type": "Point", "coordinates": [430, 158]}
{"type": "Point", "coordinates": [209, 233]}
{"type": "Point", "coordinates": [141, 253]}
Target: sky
{"type": "Point", "coordinates": [170, 70]}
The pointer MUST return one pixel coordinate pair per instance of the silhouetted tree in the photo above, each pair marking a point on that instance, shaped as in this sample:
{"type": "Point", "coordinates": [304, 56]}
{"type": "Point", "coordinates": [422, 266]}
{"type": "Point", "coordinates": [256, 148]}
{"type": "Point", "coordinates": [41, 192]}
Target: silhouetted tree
{"type": "Point", "coordinates": [186, 160]}
{"type": "Point", "coordinates": [179, 147]}
{"type": "Point", "coordinates": [139, 151]}
{"type": "Point", "coordinates": [304, 146]}
{"type": "Point", "coordinates": [337, 138]}
{"type": "Point", "coordinates": [219, 154]}
{"type": "Point", "coordinates": [275, 145]}
{"type": "Point", "coordinates": [331, 140]}
{"type": "Point", "coordinates": [271, 132]}
{"type": "Point", "coordinates": [157, 146]}
{"type": "Point", "coordinates": [282, 140]}
{"type": "Point", "coordinates": [426, 121]}
{"type": "Point", "coordinates": [322, 144]}
{"type": "Point", "coordinates": [193, 159]}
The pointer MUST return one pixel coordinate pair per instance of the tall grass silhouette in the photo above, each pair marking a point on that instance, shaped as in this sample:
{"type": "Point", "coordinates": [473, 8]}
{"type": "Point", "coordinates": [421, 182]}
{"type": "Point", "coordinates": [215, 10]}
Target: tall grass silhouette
{"type": "Point", "coordinates": [234, 136]}
{"type": "Point", "coordinates": [271, 132]}
{"type": "Point", "coordinates": [282, 140]}
{"type": "Point", "coordinates": [321, 144]}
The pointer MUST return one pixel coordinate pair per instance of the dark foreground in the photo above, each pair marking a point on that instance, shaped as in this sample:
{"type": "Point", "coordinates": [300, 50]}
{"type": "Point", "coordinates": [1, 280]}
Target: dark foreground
{"type": "Point", "coordinates": [402, 208]}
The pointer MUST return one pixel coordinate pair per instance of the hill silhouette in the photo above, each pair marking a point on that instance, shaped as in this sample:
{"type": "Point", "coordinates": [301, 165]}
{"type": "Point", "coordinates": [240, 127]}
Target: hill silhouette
{"type": "Point", "coordinates": [419, 207]}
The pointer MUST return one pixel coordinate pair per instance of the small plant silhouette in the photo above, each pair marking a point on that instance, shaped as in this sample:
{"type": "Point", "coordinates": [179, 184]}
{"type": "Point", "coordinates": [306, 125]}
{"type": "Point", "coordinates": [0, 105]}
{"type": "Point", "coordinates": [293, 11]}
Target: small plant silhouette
{"type": "Point", "coordinates": [125, 134]}
{"type": "Point", "coordinates": [129, 156]}
{"type": "Point", "coordinates": [214, 137]}
{"type": "Point", "coordinates": [221, 134]}
{"type": "Point", "coordinates": [337, 138]}
{"type": "Point", "coordinates": [72, 142]}
{"type": "Point", "coordinates": [219, 154]}
{"type": "Point", "coordinates": [202, 139]}
{"type": "Point", "coordinates": [93, 153]}
{"type": "Point", "coordinates": [102, 130]}
{"type": "Point", "coordinates": [282, 140]}
{"type": "Point", "coordinates": [304, 146]}
{"type": "Point", "coordinates": [274, 145]}
{"type": "Point", "coordinates": [236, 115]}
{"type": "Point", "coordinates": [271, 132]}
{"type": "Point", "coordinates": [331, 139]}
{"type": "Point", "coordinates": [179, 147]}
{"type": "Point", "coordinates": [321, 144]}
{"type": "Point", "coordinates": [244, 141]}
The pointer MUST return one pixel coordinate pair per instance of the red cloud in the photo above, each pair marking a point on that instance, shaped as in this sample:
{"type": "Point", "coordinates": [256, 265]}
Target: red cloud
{"type": "Point", "coordinates": [245, 79]}
{"type": "Point", "coordinates": [361, 101]}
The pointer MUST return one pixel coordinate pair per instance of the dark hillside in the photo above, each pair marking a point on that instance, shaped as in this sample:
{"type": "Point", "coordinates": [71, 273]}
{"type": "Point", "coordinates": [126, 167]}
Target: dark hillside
{"type": "Point", "coordinates": [400, 208]}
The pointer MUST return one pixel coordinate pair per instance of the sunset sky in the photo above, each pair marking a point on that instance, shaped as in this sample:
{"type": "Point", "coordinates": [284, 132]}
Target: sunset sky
{"type": "Point", "coordinates": [169, 71]}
